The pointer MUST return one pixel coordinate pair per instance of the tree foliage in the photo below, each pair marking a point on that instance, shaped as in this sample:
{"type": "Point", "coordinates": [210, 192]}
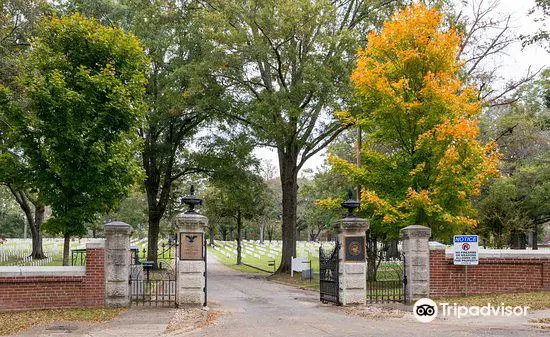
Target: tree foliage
{"type": "Point", "coordinates": [82, 86]}
{"type": "Point", "coordinates": [182, 97]}
{"type": "Point", "coordinates": [240, 198]}
{"type": "Point", "coordinates": [421, 160]}
{"type": "Point", "coordinates": [519, 202]}
{"type": "Point", "coordinates": [288, 64]}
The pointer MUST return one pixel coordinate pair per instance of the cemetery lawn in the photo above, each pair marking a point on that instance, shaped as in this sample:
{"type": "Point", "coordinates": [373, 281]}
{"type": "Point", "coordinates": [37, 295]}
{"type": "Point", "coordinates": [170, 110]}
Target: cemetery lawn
{"type": "Point", "coordinates": [231, 262]}
{"type": "Point", "coordinates": [296, 281]}
{"type": "Point", "coordinates": [536, 300]}
{"type": "Point", "coordinates": [257, 256]}
{"type": "Point", "coordinates": [13, 322]}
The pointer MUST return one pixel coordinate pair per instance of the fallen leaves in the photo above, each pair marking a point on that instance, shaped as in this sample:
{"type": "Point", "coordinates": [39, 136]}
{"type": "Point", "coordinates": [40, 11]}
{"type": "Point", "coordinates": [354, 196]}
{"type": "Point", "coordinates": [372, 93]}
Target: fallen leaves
{"type": "Point", "coordinates": [13, 322]}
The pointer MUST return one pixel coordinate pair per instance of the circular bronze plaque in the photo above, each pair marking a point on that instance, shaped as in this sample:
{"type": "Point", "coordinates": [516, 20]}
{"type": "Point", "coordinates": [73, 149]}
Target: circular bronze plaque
{"type": "Point", "coordinates": [354, 248]}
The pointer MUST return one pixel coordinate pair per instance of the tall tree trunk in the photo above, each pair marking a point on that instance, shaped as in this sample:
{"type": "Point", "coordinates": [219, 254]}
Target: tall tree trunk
{"type": "Point", "coordinates": [153, 238]}
{"type": "Point", "coordinates": [262, 229]}
{"type": "Point", "coordinates": [372, 256]}
{"type": "Point", "coordinates": [534, 243]}
{"type": "Point", "coordinates": [37, 251]}
{"type": "Point", "coordinates": [239, 228]}
{"type": "Point", "coordinates": [66, 248]}
{"type": "Point", "coordinates": [33, 221]}
{"type": "Point", "coordinates": [289, 183]}
{"type": "Point", "coordinates": [158, 184]}
{"type": "Point", "coordinates": [211, 236]}
{"type": "Point", "coordinates": [270, 234]}
{"type": "Point", "coordinates": [224, 233]}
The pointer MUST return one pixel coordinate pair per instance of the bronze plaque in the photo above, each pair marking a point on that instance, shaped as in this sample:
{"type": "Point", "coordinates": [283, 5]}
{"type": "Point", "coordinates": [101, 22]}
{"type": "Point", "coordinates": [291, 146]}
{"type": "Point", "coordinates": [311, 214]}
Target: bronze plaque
{"type": "Point", "coordinates": [191, 246]}
{"type": "Point", "coordinates": [354, 248]}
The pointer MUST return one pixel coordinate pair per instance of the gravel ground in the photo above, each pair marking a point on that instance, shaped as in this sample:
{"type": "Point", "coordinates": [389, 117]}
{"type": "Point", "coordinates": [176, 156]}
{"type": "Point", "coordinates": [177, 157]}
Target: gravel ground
{"type": "Point", "coordinates": [185, 320]}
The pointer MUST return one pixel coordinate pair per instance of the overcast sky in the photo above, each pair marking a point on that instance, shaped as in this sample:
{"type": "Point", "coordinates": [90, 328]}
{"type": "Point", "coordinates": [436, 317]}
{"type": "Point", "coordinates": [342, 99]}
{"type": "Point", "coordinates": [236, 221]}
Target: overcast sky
{"type": "Point", "coordinates": [513, 65]}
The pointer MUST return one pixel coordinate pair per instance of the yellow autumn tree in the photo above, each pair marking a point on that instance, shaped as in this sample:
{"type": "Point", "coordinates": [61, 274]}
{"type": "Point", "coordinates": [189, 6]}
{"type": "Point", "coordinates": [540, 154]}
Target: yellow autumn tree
{"type": "Point", "coordinates": [421, 159]}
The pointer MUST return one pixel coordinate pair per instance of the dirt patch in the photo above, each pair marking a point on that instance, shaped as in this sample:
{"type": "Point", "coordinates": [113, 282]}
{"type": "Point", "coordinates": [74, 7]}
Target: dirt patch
{"type": "Point", "coordinates": [374, 312]}
{"type": "Point", "coordinates": [189, 319]}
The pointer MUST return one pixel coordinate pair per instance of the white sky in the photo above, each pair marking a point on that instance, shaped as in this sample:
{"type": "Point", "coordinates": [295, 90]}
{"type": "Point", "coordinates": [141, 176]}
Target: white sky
{"type": "Point", "coordinates": [513, 65]}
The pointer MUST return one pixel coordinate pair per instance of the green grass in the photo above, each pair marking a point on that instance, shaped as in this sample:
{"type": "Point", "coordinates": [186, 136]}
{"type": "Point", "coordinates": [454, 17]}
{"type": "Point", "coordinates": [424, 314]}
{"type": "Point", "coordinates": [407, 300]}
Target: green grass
{"type": "Point", "coordinates": [263, 261]}
{"type": "Point", "coordinates": [231, 263]}
{"type": "Point", "coordinates": [536, 300]}
{"type": "Point", "coordinates": [296, 281]}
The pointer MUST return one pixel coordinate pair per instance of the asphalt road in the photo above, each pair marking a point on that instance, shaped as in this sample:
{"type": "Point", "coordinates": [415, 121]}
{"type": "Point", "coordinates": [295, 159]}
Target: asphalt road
{"type": "Point", "coordinates": [252, 306]}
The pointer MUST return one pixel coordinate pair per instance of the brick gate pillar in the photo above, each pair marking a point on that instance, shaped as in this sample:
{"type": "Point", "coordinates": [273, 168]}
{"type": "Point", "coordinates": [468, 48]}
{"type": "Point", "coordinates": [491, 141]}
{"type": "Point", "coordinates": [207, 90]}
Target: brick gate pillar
{"type": "Point", "coordinates": [117, 264]}
{"type": "Point", "coordinates": [353, 271]}
{"type": "Point", "coordinates": [417, 261]}
{"type": "Point", "coordinates": [191, 278]}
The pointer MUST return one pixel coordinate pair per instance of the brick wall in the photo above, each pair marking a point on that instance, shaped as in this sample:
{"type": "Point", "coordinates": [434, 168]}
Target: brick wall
{"type": "Point", "coordinates": [497, 272]}
{"type": "Point", "coordinates": [55, 287]}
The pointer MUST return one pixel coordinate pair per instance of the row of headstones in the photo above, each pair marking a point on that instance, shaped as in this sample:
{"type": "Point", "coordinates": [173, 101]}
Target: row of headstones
{"type": "Point", "coordinates": [22, 254]}
{"type": "Point", "coordinates": [20, 249]}
{"type": "Point", "coordinates": [256, 249]}
{"type": "Point", "coordinates": [229, 249]}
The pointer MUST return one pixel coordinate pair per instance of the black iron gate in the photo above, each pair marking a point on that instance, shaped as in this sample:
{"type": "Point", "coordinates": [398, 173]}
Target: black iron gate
{"type": "Point", "coordinates": [155, 287]}
{"type": "Point", "coordinates": [329, 285]}
{"type": "Point", "coordinates": [386, 278]}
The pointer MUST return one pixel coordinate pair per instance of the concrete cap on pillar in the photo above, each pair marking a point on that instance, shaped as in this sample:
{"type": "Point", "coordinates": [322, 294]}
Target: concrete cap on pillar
{"type": "Point", "coordinates": [118, 227]}
{"type": "Point", "coordinates": [351, 223]}
{"type": "Point", "coordinates": [187, 220]}
{"type": "Point", "coordinates": [415, 231]}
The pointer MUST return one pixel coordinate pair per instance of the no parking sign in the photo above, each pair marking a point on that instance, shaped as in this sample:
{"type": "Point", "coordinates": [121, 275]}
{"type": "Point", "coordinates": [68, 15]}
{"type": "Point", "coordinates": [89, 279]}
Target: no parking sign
{"type": "Point", "coordinates": [466, 250]}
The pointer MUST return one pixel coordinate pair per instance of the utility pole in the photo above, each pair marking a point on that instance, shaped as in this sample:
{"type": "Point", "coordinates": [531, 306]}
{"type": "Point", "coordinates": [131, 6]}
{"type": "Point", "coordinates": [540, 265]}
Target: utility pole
{"type": "Point", "coordinates": [358, 159]}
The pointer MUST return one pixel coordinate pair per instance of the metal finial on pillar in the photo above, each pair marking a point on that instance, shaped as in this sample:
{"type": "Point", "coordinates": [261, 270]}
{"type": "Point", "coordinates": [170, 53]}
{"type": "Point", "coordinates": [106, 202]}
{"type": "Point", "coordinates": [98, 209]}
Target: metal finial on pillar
{"type": "Point", "coordinates": [191, 200]}
{"type": "Point", "coordinates": [350, 205]}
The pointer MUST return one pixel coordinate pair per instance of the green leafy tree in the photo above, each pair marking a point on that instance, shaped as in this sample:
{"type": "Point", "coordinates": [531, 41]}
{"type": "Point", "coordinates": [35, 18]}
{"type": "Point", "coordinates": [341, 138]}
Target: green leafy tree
{"type": "Point", "coordinates": [12, 223]}
{"type": "Point", "coordinates": [239, 198]}
{"type": "Point", "coordinates": [522, 132]}
{"type": "Point", "coordinates": [501, 215]}
{"type": "Point", "coordinates": [182, 96]}
{"type": "Point", "coordinates": [324, 184]}
{"type": "Point", "coordinates": [288, 65]}
{"type": "Point", "coordinates": [82, 88]}
{"type": "Point", "coordinates": [18, 19]}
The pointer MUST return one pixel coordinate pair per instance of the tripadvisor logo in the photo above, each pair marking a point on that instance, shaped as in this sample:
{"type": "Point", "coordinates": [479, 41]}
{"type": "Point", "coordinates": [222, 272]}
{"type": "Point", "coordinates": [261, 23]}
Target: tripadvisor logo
{"type": "Point", "coordinates": [425, 310]}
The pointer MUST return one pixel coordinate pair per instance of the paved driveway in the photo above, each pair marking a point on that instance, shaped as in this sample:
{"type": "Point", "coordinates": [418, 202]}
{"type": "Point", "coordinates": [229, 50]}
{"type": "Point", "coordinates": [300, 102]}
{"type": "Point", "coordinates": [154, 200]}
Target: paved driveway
{"type": "Point", "coordinates": [252, 306]}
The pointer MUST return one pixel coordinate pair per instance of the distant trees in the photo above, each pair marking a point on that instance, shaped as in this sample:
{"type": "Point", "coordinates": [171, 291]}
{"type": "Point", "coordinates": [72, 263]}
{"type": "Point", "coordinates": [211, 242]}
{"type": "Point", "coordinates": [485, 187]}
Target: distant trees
{"type": "Point", "coordinates": [323, 184]}
{"type": "Point", "coordinates": [243, 197]}
{"type": "Point", "coordinates": [518, 204]}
